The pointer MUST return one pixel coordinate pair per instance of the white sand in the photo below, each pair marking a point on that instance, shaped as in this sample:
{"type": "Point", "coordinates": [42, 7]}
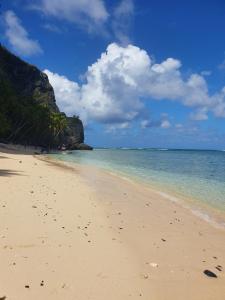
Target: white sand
{"type": "Point", "coordinates": [91, 235]}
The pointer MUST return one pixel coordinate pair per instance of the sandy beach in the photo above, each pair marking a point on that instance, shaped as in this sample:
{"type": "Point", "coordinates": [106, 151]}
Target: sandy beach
{"type": "Point", "coordinates": [82, 233]}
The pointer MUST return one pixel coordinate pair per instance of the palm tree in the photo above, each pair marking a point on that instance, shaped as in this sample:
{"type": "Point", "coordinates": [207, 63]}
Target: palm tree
{"type": "Point", "coordinates": [57, 125]}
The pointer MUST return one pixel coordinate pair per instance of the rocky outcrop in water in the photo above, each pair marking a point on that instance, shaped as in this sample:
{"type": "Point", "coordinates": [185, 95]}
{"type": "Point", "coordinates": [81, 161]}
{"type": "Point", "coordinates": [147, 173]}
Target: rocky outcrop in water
{"type": "Point", "coordinates": [74, 135]}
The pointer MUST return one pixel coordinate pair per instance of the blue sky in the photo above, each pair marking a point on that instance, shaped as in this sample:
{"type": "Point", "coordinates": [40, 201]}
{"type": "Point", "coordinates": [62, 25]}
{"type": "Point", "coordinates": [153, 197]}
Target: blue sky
{"type": "Point", "coordinates": [139, 73]}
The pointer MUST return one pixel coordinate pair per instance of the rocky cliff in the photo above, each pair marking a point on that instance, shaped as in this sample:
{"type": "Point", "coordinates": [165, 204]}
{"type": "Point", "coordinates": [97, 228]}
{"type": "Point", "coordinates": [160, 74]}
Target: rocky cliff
{"type": "Point", "coordinates": [74, 135]}
{"type": "Point", "coordinates": [27, 80]}
{"type": "Point", "coordinates": [25, 94]}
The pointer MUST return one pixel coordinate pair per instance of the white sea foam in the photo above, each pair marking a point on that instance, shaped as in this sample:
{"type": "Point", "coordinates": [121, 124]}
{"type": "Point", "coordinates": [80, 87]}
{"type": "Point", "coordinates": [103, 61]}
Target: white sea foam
{"type": "Point", "coordinates": [167, 196]}
{"type": "Point", "coordinates": [208, 218]}
{"type": "Point", "coordinates": [200, 214]}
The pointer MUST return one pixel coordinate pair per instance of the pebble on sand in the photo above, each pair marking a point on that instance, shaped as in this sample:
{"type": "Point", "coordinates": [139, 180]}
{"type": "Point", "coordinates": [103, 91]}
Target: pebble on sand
{"type": "Point", "coordinates": [210, 273]}
{"type": "Point", "coordinates": [219, 268]}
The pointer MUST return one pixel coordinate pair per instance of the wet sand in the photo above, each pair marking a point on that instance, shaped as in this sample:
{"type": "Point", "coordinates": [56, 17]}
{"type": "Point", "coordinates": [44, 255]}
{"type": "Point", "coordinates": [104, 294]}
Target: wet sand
{"type": "Point", "coordinates": [82, 233]}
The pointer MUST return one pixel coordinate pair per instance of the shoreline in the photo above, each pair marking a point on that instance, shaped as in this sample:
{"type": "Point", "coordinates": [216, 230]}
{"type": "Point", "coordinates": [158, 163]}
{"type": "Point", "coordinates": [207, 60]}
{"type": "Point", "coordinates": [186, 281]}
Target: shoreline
{"type": "Point", "coordinates": [204, 211]}
{"type": "Point", "coordinates": [79, 233]}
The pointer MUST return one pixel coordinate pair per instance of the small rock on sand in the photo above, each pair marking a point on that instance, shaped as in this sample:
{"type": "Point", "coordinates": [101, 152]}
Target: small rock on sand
{"type": "Point", "coordinates": [210, 273]}
{"type": "Point", "coordinates": [219, 268]}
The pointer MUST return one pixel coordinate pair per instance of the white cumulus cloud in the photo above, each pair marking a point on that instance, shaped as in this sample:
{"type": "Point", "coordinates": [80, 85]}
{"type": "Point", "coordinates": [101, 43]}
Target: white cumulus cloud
{"type": "Point", "coordinates": [200, 115]}
{"type": "Point", "coordinates": [122, 17]}
{"type": "Point", "coordinates": [18, 36]}
{"type": "Point", "coordinates": [87, 13]}
{"type": "Point", "coordinates": [163, 122]}
{"type": "Point", "coordinates": [68, 94]}
{"type": "Point", "coordinates": [120, 82]}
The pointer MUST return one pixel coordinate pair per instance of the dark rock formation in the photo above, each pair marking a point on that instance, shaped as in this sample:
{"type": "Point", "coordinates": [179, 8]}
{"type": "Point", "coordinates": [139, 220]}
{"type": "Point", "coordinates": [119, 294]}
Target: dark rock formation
{"type": "Point", "coordinates": [75, 131]}
{"type": "Point", "coordinates": [83, 146]}
{"type": "Point", "coordinates": [26, 81]}
{"type": "Point", "coordinates": [74, 135]}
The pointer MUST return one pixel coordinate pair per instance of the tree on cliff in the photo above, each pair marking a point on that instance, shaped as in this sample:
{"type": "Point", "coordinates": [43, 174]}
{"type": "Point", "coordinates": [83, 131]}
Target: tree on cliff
{"type": "Point", "coordinates": [22, 120]}
{"type": "Point", "coordinates": [29, 114]}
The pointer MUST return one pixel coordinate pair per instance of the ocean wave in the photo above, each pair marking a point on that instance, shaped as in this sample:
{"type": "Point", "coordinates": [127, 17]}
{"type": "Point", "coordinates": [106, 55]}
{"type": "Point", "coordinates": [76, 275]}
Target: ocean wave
{"type": "Point", "coordinates": [197, 212]}
{"type": "Point", "coordinates": [204, 216]}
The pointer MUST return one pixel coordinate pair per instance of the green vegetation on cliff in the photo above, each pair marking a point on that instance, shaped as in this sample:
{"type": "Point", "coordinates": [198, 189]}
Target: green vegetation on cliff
{"type": "Point", "coordinates": [28, 111]}
{"type": "Point", "coordinates": [25, 121]}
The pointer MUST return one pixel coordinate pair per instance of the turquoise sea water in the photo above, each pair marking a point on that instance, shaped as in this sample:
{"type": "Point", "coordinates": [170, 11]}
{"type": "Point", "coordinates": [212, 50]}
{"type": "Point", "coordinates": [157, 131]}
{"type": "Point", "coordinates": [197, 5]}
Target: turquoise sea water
{"type": "Point", "coordinates": [193, 174]}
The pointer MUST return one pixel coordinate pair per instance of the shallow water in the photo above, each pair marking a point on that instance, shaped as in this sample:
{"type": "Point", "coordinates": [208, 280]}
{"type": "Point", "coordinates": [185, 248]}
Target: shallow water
{"type": "Point", "coordinates": [195, 174]}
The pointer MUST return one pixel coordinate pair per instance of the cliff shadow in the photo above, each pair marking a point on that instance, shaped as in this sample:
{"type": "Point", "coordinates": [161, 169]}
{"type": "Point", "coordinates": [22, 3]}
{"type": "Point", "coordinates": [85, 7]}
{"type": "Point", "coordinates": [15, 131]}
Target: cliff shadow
{"type": "Point", "coordinates": [9, 173]}
{"type": "Point", "coordinates": [18, 149]}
